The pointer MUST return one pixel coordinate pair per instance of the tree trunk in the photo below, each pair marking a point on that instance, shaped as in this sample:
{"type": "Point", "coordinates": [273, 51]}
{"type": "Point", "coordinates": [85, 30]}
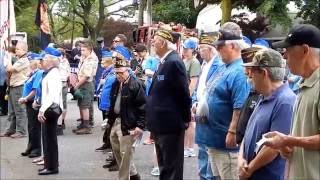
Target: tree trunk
{"type": "Point", "coordinates": [226, 7]}
{"type": "Point", "coordinates": [100, 20]}
{"type": "Point", "coordinates": [142, 7]}
{"type": "Point", "coordinates": [149, 12]}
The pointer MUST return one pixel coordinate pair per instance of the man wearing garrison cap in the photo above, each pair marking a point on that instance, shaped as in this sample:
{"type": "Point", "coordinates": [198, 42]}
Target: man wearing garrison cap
{"type": "Point", "coordinates": [126, 116]}
{"type": "Point", "coordinates": [211, 62]}
{"type": "Point", "coordinates": [168, 107]}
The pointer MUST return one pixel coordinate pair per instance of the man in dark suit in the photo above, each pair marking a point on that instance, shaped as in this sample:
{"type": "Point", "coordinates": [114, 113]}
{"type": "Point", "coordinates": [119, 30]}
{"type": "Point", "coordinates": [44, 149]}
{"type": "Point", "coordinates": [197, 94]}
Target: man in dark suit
{"type": "Point", "coordinates": [168, 107]}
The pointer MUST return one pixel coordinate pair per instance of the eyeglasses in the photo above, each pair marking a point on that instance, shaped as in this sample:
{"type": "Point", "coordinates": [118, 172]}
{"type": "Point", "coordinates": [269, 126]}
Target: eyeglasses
{"type": "Point", "coordinates": [116, 41]}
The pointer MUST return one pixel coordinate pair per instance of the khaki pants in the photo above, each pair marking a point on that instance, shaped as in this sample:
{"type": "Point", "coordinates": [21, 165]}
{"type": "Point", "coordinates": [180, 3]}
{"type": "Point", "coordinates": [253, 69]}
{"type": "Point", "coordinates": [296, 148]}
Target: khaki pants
{"type": "Point", "coordinates": [123, 151]}
{"type": "Point", "coordinates": [223, 164]}
{"type": "Point", "coordinates": [17, 119]}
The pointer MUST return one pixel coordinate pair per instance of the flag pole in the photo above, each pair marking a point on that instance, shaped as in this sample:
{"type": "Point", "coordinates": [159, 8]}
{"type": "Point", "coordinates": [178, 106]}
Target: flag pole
{"type": "Point", "coordinates": [9, 37]}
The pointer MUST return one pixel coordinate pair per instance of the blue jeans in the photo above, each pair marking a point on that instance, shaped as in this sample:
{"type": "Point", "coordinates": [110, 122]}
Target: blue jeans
{"type": "Point", "coordinates": [205, 172]}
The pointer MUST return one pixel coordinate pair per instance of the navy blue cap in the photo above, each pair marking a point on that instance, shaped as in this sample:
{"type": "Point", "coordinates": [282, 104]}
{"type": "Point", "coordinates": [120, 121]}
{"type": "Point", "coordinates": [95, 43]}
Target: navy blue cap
{"type": "Point", "coordinates": [301, 34]}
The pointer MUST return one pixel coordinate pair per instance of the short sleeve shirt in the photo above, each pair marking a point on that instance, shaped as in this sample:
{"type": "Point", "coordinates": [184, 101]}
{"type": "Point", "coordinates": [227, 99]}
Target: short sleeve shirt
{"type": "Point", "coordinates": [193, 67]}
{"type": "Point", "coordinates": [32, 83]}
{"type": "Point", "coordinates": [228, 89]}
{"type": "Point", "coordinates": [87, 69]}
{"type": "Point", "coordinates": [20, 75]}
{"type": "Point", "coordinates": [273, 113]}
{"type": "Point", "coordinates": [305, 164]}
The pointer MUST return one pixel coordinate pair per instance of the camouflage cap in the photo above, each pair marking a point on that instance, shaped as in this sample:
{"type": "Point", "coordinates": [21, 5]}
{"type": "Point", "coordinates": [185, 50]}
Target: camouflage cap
{"type": "Point", "coordinates": [165, 34]}
{"type": "Point", "coordinates": [209, 38]}
{"type": "Point", "coordinates": [267, 58]}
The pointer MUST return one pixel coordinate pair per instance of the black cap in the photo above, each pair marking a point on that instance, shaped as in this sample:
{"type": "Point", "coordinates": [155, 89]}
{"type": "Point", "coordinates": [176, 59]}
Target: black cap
{"type": "Point", "coordinates": [299, 35]}
{"type": "Point", "coordinates": [225, 35]}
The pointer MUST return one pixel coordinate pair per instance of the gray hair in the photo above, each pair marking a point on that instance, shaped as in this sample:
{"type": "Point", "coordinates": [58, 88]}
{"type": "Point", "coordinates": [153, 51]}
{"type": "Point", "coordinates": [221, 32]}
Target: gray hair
{"type": "Point", "coordinates": [54, 61]}
{"type": "Point", "coordinates": [276, 73]}
{"type": "Point", "coordinates": [240, 44]}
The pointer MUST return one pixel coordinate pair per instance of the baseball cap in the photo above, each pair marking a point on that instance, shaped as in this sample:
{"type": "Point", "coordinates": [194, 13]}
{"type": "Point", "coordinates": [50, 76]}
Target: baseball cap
{"type": "Point", "coordinates": [190, 44]}
{"type": "Point", "coordinates": [34, 56]}
{"type": "Point", "coordinates": [228, 31]}
{"type": "Point", "coordinates": [51, 51]}
{"type": "Point", "coordinates": [267, 58]}
{"type": "Point", "coordinates": [124, 52]}
{"type": "Point", "coordinates": [106, 54]}
{"type": "Point", "coordinates": [259, 42]}
{"type": "Point", "coordinates": [299, 35]}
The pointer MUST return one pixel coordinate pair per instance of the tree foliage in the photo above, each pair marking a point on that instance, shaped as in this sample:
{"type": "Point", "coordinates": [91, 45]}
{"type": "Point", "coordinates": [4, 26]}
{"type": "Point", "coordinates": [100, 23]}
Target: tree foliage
{"type": "Point", "coordinates": [182, 11]}
{"type": "Point", "coordinates": [310, 11]}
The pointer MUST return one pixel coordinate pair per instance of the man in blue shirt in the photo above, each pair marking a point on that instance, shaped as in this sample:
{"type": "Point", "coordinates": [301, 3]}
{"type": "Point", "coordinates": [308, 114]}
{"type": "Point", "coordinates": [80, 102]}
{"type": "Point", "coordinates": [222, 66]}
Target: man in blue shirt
{"type": "Point", "coordinates": [273, 113]}
{"type": "Point", "coordinates": [28, 95]}
{"type": "Point", "coordinates": [227, 91]}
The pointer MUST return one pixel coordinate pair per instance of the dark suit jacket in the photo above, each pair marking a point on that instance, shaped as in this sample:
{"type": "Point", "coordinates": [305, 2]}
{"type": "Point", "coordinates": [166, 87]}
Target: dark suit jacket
{"type": "Point", "coordinates": [169, 102]}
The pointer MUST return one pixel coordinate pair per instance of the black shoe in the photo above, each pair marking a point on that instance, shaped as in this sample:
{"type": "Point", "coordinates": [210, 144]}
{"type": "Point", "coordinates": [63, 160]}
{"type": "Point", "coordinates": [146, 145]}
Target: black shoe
{"type": "Point", "coordinates": [110, 164]}
{"type": "Point", "coordinates": [3, 114]}
{"type": "Point", "coordinates": [26, 153]}
{"type": "Point", "coordinates": [39, 170]}
{"type": "Point", "coordinates": [63, 125]}
{"type": "Point", "coordinates": [33, 155]}
{"type": "Point", "coordinates": [135, 177]}
{"type": "Point", "coordinates": [48, 172]}
{"type": "Point", "coordinates": [102, 148]}
{"type": "Point", "coordinates": [114, 168]}
{"type": "Point", "coordinates": [59, 130]}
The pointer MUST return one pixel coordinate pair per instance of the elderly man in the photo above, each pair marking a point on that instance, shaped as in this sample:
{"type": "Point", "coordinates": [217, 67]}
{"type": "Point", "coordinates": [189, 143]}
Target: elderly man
{"type": "Point", "coordinates": [302, 146]}
{"type": "Point", "coordinates": [126, 117]}
{"type": "Point", "coordinates": [211, 62]}
{"type": "Point", "coordinates": [168, 107]}
{"type": "Point", "coordinates": [18, 74]}
{"type": "Point", "coordinates": [227, 91]}
{"type": "Point", "coordinates": [273, 113]}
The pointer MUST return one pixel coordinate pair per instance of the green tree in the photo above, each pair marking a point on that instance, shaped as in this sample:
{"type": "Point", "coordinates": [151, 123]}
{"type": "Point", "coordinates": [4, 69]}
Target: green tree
{"type": "Point", "coordinates": [310, 11]}
{"type": "Point", "coordinates": [182, 11]}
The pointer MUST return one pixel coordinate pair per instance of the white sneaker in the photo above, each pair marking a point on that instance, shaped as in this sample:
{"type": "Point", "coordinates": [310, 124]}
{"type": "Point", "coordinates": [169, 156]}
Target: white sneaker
{"type": "Point", "coordinates": [155, 171]}
{"type": "Point", "coordinates": [189, 152]}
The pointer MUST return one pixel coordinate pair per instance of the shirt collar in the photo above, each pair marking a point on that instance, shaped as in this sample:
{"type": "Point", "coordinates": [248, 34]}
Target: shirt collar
{"type": "Point", "coordinates": [165, 55]}
{"type": "Point", "coordinates": [276, 92]}
{"type": "Point", "coordinates": [235, 62]}
{"type": "Point", "coordinates": [310, 81]}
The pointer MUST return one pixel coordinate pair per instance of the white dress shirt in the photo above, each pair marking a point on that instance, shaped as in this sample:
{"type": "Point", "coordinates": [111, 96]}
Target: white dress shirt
{"type": "Point", "coordinates": [51, 90]}
{"type": "Point", "coordinates": [203, 77]}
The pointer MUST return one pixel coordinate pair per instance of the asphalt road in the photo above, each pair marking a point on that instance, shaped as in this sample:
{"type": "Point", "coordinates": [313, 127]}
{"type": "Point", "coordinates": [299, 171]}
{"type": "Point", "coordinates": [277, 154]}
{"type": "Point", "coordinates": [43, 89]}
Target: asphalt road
{"type": "Point", "coordinates": [77, 156]}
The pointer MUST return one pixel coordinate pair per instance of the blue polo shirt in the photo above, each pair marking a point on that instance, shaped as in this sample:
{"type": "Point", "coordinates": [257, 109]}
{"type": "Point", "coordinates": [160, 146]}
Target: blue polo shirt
{"type": "Point", "coordinates": [273, 113]}
{"type": "Point", "coordinates": [228, 90]}
{"type": "Point", "coordinates": [32, 83]}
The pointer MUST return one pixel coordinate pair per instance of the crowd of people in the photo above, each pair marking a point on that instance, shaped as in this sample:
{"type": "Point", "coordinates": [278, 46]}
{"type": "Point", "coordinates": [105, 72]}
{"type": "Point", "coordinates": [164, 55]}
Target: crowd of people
{"type": "Point", "coordinates": [252, 110]}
